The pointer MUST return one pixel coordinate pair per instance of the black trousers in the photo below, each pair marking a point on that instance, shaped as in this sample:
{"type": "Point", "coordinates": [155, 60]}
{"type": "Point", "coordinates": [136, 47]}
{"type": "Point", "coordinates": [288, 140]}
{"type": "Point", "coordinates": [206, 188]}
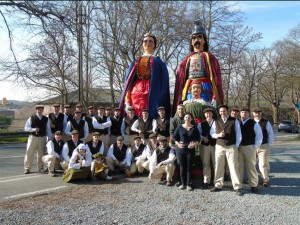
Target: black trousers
{"type": "Point", "coordinates": [185, 158]}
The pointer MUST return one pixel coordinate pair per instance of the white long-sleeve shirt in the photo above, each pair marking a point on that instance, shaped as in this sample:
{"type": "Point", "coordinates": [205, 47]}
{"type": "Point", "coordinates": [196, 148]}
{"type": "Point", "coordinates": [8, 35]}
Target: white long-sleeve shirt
{"type": "Point", "coordinates": [200, 128]}
{"type": "Point", "coordinates": [136, 124]}
{"type": "Point", "coordinates": [69, 128]}
{"type": "Point", "coordinates": [238, 134]}
{"type": "Point", "coordinates": [50, 149]}
{"type": "Point", "coordinates": [269, 131]}
{"type": "Point", "coordinates": [65, 151]}
{"type": "Point", "coordinates": [258, 133]}
{"type": "Point", "coordinates": [28, 127]}
{"type": "Point", "coordinates": [101, 126]}
{"type": "Point", "coordinates": [153, 159]}
{"type": "Point", "coordinates": [126, 161]}
{"type": "Point", "coordinates": [86, 159]}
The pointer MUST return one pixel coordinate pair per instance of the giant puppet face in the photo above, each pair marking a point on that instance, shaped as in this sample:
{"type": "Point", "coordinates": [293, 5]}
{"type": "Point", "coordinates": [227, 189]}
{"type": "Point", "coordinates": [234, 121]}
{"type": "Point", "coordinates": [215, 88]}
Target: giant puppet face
{"type": "Point", "coordinates": [198, 42]}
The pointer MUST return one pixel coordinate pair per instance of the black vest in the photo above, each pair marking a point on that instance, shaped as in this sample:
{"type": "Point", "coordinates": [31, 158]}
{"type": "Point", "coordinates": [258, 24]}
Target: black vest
{"type": "Point", "coordinates": [104, 120]}
{"type": "Point", "coordinates": [57, 148]}
{"type": "Point", "coordinates": [206, 133]}
{"type": "Point", "coordinates": [145, 127]}
{"type": "Point", "coordinates": [248, 134]}
{"type": "Point", "coordinates": [58, 122]}
{"type": "Point", "coordinates": [163, 127]}
{"type": "Point", "coordinates": [72, 146]}
{"type": "Point", "coordinates": [128, 124]}
{"type": "Point", "coordinates": [263, 125]}
{"type": "Point", "coordinates": [89, 121]}
{"type": "Point", "coordinates": [93, 149]}
{"type": "Point", "coordinates": [120, 155]}
{"type": "Point", "coordinates": [139, 151]}
{"type": "Point", "coordinates": [78, 126]}
{"type": "Point", "coordinates": [69, 117]}
{"type": "Point", "coordinates": [230, 132]}
{"type": "Point", "coordinates": [41, 124]}
{"type": "Point", "coordinates": [116, 124]}
{"type": "Point", "coordinates": [163, 156]}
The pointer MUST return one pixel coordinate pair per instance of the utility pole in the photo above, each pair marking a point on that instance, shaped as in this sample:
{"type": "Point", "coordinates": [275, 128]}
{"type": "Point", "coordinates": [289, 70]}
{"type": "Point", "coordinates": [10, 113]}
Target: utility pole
{"type": "Point", "coordinates": [80, 66]}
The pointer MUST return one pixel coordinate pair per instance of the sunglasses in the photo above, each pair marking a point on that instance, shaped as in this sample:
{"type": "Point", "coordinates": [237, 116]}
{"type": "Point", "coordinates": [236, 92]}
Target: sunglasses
{"type": "Point", "coordinates": [148, 41]}
{"type": "Point", "coordinates": [200, 36]}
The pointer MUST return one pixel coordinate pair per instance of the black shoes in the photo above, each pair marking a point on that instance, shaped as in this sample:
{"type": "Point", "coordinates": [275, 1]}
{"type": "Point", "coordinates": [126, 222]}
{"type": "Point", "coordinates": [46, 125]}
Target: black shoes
{"type": "Point", "coordinates": [215, 189]}
{"type": "Point", "coordinates": [254, 190]}
{"type": "Point", "coordinates": [204, 186]}
{"type": "Point", "coordinates": [265, 183]}
{"type": "Point", "coordinates": [238, 192]}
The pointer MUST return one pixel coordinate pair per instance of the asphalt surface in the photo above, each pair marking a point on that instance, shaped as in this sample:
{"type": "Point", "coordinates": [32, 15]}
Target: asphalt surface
{"type": "Point", "coordinates": [14, 184]}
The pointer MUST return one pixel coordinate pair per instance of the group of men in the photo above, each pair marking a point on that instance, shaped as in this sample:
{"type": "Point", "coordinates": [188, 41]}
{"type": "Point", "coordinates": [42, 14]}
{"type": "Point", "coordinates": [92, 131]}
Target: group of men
{"type": "Point", "coordinates": [133, 143]}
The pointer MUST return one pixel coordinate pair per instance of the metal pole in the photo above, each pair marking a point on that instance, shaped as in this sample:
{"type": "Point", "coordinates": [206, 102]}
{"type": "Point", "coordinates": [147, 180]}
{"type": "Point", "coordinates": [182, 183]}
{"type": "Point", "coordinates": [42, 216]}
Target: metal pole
{"type": "Point", "coordinates": [80, 69]}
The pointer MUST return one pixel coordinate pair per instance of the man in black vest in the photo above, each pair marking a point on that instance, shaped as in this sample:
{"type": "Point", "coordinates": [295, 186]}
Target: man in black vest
{"type": "Point", "coordinates": [78, 124]}
{"type": "Point", "coordinates": [89, 119]}
{"type": "Point", "coordinates": [56, 119]}
{"type": "Point", "coordinates": [137, 150]}
{"type": "Point", "coordinates": [39, 128]}
{"type": "Point", "coordinates": [162, 161]}
{"type": "Point", "coordinates": [119, 156]}
{"type": "Point", "coordinates": [161, 125]}
{"type": "Point", "coordinates": [95, 146]}
{"type": "Point", "coordinates": [143, 126]}
{"type": "Point", "coordinates": [263, 152]}
{"type": "Point", "coordinates": [78, 107]}
{"type": "Point", "coordinates": [101, 124]}
{"type": "Point", "coordinates": [67, 117]}
{"type": "Point", "coordinates": [227, 131]}
{"type": "Point", "coordinates": [116, 123]}
{"type": "Point", "coordinates": [251, 140]}
{"type": "Point", "coordinates": [54, 156]}
{"type": "Point", "coordinates": [208, 146]}
{"type": "Point", "coordinates": [127, 123]}
{"type": "Point", "coordinates": [69, 147]}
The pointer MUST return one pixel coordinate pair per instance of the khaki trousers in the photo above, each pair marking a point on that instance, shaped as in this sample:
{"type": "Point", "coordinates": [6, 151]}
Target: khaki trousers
{"type": "Point", "coordinates": [51, 161]}
{"type": "Point", "coordinates": [247, 156]}
{"type": "Point", "coordinates": [208, 160]}
{"type": "Point", "coordinates": [111, 163]}
{"type": "Point", "coordinates": [65, 138]}
{"type": "Point", "coordinates": [88, 138]}
{"type": "Point", "coordinates": [137, 166]}
{"type": "Point", "coordinates": [113, 139]}
{"type": "Point", "coordinates": [231, 154]}
{"type": "Point", "coordinates": [169, 169]}
{"type": "Point", "coordinates": [129, 139]}
{"type": "Point", "coordinates": [106, 140]}
{"type": "Point", "coordinates": [35, 143]}
{"type": "Point", "coordinates": [263, 157]}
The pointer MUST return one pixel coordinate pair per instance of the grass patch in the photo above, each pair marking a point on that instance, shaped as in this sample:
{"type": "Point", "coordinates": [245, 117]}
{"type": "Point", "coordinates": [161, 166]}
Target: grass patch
{"type": "Point", "coordinates": [6, 140]}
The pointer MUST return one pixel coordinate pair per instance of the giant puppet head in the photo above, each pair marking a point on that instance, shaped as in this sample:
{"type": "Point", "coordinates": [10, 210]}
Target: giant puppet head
{"type": "Point", "coordinates": [198, 37]}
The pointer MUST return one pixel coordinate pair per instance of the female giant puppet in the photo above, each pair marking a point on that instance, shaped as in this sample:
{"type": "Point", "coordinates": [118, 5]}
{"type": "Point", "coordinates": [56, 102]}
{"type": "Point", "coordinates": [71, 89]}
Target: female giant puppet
{"type": "Point", "coordinates": [198, 68]}
{"type": "Point", "coordinates": [147, 82]}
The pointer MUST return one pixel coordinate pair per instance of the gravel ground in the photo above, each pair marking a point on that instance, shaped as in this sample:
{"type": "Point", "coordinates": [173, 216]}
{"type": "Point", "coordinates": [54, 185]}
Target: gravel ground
{"type": "Point", "coordinates": [139, 200]}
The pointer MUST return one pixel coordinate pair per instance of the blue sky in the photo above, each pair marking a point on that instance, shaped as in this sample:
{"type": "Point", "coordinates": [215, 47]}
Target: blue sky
{"type": "Point", "coordinates": [273, 19]}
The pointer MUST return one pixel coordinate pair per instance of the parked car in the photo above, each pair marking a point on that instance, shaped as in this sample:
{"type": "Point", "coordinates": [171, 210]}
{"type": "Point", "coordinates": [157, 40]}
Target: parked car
{"type": "Point", "coordinates": [288, 126]}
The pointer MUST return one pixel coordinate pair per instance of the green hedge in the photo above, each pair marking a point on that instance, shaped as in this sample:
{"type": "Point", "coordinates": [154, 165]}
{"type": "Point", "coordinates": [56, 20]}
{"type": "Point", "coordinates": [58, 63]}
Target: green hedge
{"type": "Point", "coordinates": [13, 140]}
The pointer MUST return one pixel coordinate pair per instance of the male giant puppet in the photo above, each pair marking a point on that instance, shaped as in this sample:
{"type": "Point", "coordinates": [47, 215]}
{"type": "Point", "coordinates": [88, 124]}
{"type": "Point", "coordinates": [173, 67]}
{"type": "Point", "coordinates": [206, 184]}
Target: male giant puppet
{"type": "Point", "coordinates": [199, 68]}
{"type": "Point", "coordinates": [147, 82]}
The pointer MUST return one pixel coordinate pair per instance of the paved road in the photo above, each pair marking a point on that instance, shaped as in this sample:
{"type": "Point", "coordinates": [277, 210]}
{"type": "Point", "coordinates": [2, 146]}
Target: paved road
{"type": "Point", "coordinates": [14, 184]}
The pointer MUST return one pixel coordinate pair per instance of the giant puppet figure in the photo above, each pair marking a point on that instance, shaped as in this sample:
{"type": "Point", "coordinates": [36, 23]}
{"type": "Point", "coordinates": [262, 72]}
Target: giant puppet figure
{"type": "Point", "coordinates": [146, 83]}
{"type": "Point", "coordinates": [198, 78]}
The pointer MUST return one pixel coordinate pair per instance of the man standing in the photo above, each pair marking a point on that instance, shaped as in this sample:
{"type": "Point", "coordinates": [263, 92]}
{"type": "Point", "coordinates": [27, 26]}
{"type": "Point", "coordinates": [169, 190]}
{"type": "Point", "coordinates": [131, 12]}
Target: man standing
{"type": "Point", "coordinates": [78, 124]}
{"type": "Point", "coordinates": [251, 140]}
{"type": "Point", "coordinates": [78, 107]}
{"type": "Point", "coordinates": [227, 131]}
{"type": "Point", "coordinates": [161, 125]}
{"type": "Point", "coordinates": [67, 117]}
{"type": "Point", "coordinates": [39, 128]}
{"type": "Point", "coordinates": [89, 119]}
{"type": "Point", "coordinates": [116, 123]}
{"type": "Point", "coordinates": [56, 119]}
{"type": "Point", "coordinates": [208, 143]}
{"type": "Point", "coordinates": [263, 152]}
{"type": "Point", "coordinates": [143, 126]}
{"type": "Point", "coordinates": [127, 123]}
{"type": "Point", "coordinates": [235, 112]}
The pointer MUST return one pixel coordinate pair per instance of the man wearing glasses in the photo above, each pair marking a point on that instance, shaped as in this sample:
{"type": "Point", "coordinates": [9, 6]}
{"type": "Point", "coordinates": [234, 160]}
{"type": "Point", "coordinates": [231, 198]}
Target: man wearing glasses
{"type": "Point", "coordinates": [199, 66]}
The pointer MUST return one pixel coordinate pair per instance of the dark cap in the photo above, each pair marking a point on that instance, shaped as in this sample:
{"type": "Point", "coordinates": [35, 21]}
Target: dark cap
{"type": "Point", "coordinates": [160, 108]}
{"type": "Point", "coordinates": [107, 108]}
{"type": "Point", "coordinates": [117, 109]}
{"type": "Point", "coordinates": [137, 137]}
{"type": "Point", "coordinates": [145, 110]}
{"type": "Point", "coordinates": [256, 109]}
{"type": "Point", "coordinates": [120, 138]}
{"type": "Point", "coordinates": [96, 134]}
{"type": "Point", "coordinates": [223, 106]}
{"type": "Point", "coordinates": [153, 135]}
{"type": "Point", "coordinates": [91, 107]}
{"type": "Point", "coordinates": [245, 109]}
{"type": "Point", "coordinates": [130, 108]}
{"type": "Point", "coordinates": [208, 110]}
{"type": "Point", "coordinates": [67, 106]}
{"type": "Point", "coordinates": [56, 105]}
{"type": "Point", "coordinates": [162, 138]}
{"type": "Point", "coordinates": [78, 105]}
{"type": "Point", "coordinates": [75, 132]}
{"type": "Point", "coordinates": [76, 112]}
{"type": "Point", "coordinates": [58, 132]}
{"type": "Point", "coordinates": [39, 106]}
{"type": "Point", "coordinates": [100, 107]}
{"type": "Point", "coordinates": [234, 109]}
